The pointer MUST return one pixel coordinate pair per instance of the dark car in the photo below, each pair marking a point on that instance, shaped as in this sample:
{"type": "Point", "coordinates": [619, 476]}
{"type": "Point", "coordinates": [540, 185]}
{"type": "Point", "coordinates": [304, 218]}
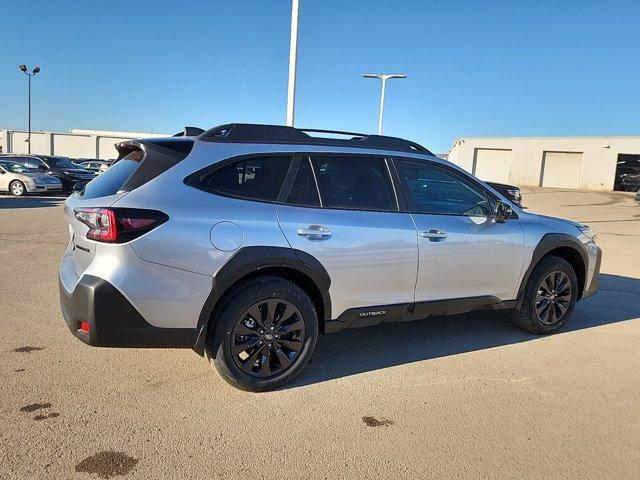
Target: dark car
{"type": "Point", "coordinates": [629, 182]}
{"type": "Point", "coordinates": [512, 192]}
{"type": "Point", "coordinates": [67, 172]}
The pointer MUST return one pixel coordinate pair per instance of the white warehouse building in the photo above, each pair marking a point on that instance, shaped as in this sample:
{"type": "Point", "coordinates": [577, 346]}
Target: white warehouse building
{"type": "Point", "coordinates": [589, 163]}
{"type": "Point", "coordinates": [77, 143]}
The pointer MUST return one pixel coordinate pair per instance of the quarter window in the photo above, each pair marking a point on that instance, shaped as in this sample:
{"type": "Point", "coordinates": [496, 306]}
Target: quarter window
{"type": "Point", "coordinates": [257, 178]}
{"type": "Point", "coordinates": [440, 191]}
{"type": "Point", "coordinates": [354, 182]}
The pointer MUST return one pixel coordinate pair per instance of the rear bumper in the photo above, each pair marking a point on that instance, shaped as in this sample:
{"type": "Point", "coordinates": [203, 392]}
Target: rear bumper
{"type": "Point", "coordinates": [113, 321]}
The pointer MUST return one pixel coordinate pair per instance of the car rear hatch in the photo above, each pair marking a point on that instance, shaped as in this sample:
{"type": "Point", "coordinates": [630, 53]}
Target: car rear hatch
{"type": "Point", "coordinates": [138, 162]}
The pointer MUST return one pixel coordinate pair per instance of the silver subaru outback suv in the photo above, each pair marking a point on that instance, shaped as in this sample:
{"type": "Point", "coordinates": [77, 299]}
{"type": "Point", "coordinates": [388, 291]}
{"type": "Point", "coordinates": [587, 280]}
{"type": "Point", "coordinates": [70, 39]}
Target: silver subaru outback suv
{"type": "Point", "coordinates": [246, 242]}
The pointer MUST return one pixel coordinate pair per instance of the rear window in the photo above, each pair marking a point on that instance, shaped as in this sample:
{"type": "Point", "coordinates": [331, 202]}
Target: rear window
{"type": "Point", "coordinates": [61, 163]}
{"type": "Point", "coordinates": [138, 167]}
{"type": "Point", "coordinates": [258, 178]}
{"type": "Point", "coordinates": [112, 179]}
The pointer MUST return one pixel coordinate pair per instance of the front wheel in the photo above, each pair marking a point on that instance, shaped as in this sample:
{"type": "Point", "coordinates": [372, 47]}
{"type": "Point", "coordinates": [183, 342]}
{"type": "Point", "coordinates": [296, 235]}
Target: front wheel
{"type": "Point", "coordinates": [17, 188]}
{"type": "Point", "coordinates": [549, 297]}
{"type": "Point", "coordinates": [264, 334]}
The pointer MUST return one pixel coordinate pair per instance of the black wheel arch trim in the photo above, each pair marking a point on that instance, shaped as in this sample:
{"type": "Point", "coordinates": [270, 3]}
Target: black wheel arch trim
{"type": "Point", "coordinates": [252, 260]}
{"type": "Point", "coordinates": [548, 243]}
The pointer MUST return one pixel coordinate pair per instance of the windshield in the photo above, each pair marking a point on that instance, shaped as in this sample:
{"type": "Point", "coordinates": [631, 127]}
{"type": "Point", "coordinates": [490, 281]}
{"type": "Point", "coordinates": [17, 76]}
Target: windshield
{"type": "Point", "coordinates": [16, 167]}
{"type": "Point", "coordinates": [59, 162]}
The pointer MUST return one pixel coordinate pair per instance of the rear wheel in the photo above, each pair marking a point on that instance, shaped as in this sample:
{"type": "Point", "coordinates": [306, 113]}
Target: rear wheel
{"type": "Point", "coordinates": [549, 297]}
{"type": "Point", "coordinates": [17, 188]}
{"type": "Point", "coordinates": [264, 334]}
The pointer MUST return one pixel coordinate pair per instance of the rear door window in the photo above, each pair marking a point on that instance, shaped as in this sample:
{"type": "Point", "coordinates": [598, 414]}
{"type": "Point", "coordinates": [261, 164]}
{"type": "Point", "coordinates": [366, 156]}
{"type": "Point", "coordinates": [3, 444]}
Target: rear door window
{"type": "Point", "coordinates": [354, 182]}
{"type": "Point", "coordinates": [257, 178]}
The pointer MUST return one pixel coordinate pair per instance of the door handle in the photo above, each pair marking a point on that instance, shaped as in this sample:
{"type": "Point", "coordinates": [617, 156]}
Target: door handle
{"type": "Point", "coordinates": [434, 235]}
{"type": "Point", "coordinates": [315, 232]}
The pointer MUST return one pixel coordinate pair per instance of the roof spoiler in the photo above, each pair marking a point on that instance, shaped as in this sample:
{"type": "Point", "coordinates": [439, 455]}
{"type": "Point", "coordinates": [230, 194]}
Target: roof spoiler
{"type": "Point", "coordinates": [177, 146]}
{"type": "Point", "coordinates": [189, 132]}
{"type": "Point", "coordinates": [125, 148]}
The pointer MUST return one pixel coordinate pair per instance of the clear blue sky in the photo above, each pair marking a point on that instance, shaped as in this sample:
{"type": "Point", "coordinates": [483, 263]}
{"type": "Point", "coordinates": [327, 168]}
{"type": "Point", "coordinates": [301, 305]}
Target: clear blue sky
{"type": "Point", "coordinates": [475, 68]}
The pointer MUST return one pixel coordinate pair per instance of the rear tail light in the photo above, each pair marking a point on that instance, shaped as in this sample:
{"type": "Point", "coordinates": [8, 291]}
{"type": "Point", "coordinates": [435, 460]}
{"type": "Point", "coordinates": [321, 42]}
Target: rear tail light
{"type": "Point", "coordinates": [118, 225]}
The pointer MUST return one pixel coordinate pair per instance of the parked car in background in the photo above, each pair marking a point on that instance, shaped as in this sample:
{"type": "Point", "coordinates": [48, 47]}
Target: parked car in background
{"type": "Point", "coordinates": [512, 192]}
{"type": "Point", "coordinates": [629, 182]}
{"type": "Point", "coordinates": [19, 180]}
{"type": "Point", "coordinates": [95, 166]}
{"type": "Point", "coordinates": [83, 160]}
{"type": "Point", "coordinates": [62, 168]}
{"type": "Point", "coordinates": [78, 161]}
{"type": "Point", "coordinates": [248, 241]}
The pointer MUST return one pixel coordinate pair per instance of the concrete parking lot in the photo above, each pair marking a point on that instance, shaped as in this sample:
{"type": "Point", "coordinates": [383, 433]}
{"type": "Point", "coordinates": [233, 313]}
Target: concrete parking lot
{"type": "Point", "coordinates": [460, 397]}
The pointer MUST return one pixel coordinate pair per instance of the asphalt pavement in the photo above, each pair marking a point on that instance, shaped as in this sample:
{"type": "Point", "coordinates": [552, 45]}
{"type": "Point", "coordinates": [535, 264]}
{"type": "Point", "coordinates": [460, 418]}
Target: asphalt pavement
{"type": "Point", "coordinates": [468, 396]}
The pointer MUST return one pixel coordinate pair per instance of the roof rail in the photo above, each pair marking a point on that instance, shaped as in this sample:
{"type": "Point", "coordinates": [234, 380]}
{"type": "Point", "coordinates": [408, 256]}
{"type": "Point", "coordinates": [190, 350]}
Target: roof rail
{"type": "Point", "coordinates": [256, 133]}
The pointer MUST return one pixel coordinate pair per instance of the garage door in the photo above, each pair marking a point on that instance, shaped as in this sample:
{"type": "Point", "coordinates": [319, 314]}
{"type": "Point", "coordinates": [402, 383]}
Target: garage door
{"type": "Point", "coordinates": [561, 169]}
{"type": "Point", "coordinates": [492, 165]}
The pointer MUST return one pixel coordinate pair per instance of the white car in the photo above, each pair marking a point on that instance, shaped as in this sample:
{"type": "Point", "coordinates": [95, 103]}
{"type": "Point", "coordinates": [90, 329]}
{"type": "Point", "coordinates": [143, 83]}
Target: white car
{"type": "Point", "coordinates": [19, 180]}
{"type": "Point", "coordinates": [95, 166]}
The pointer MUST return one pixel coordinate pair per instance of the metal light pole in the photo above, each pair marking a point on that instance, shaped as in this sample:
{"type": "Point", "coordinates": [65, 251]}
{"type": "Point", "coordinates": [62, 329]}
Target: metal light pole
{"type": "Point", "coordinates": [384, 77]}
{"type": "Point", "coordinates": [293, 58]}
{"type": "Point", "coordinates": [34, 72]}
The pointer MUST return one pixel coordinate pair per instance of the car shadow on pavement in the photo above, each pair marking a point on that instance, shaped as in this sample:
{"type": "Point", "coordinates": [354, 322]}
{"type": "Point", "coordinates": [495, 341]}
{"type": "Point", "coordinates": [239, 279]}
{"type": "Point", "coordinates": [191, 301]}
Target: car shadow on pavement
{"type": "Point", "coordinates": [360, 350]}
{"type": "Point", "coordinates": [30, 202]}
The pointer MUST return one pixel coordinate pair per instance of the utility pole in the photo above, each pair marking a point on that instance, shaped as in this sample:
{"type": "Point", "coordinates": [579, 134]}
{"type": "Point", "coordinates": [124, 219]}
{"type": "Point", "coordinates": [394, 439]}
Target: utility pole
{"type": "Point", "coordinates": [293, 60]}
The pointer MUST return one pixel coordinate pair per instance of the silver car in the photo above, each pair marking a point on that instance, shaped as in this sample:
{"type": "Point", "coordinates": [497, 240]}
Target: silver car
{"type": "Point", "coordinates": [19, 180]}
{"type": "Point", "coordinates": [248, 241]}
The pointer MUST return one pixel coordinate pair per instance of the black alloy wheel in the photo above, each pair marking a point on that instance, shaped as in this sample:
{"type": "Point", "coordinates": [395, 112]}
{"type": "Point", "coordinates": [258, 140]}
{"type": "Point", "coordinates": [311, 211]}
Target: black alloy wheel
{"type": "Point", "coordinates": [267, 337]}
{"type": "Point", "coordinates": [549, 296]}
{"type": "Point", "coordinates": [553, 298]}
{"type": "Point", "coordinates": [263, 333]}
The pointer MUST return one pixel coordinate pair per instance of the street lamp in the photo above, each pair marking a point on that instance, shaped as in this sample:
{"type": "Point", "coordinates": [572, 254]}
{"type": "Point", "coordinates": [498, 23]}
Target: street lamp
{"type": "Point", "coordinates": [293, 58]}
{"type": "Point", "coordinates": [34, 72]}
{"type": "Point", "coordinates": [384, 77]}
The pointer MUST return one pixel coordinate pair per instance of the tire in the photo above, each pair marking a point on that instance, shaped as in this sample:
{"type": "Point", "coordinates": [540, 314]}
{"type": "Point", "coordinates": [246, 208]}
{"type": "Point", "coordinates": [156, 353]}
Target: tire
{"type": "Point", "coordinates": [532, 316]}
{"type": "Point", "coordinates": [263, 365]}
{"type": "Point", "coordinates": [17, 188]}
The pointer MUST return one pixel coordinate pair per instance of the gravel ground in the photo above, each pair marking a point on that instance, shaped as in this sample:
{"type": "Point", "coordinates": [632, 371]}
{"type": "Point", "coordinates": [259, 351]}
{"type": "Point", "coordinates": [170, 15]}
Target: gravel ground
{"type": "Point", "coordinates": [460, 397]}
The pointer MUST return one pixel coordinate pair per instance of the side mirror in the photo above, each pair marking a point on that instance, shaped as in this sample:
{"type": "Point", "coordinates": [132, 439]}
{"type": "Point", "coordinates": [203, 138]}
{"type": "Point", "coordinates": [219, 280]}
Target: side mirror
{"type": "Point", "coordinates": [42, 168]}
{"type": "Point", "coordinates": [503, 212]}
